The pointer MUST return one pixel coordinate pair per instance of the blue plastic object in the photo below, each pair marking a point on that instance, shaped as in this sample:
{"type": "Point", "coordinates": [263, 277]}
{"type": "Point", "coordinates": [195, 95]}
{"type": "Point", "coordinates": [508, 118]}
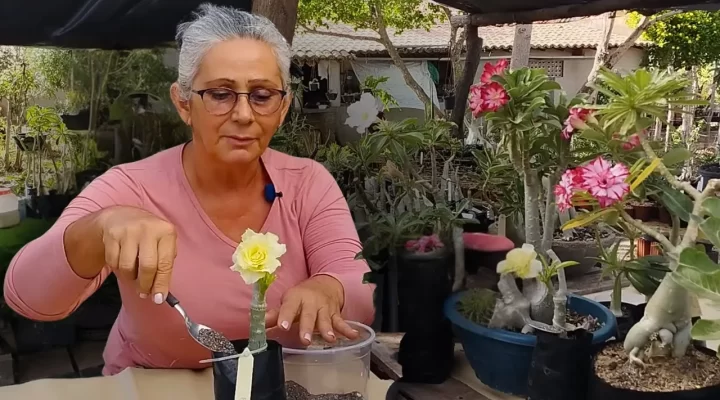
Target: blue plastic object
{"type": "Point", "coordinates": [501, 359]}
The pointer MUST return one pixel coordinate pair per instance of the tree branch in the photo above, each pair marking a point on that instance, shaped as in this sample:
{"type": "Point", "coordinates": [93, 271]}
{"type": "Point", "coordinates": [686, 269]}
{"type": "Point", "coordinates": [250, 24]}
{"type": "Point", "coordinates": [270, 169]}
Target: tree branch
{"type": "Point", "coordinates": [612, 59]}
{"type": "Point", "coordinates": [648, 231]}
{"type": "Point", "coordinates": [307, 29]}
{"type": "Point", "coordinates": [674, 182]}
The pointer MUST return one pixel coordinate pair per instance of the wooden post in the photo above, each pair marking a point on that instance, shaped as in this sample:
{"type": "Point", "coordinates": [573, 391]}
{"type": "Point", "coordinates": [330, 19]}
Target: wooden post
{"type": "Point", "coordinates": [521, 46]}
{"type": "Point", "coordinates": [462, 87]}
{"type": "Point", "coordinates": [282, 13]}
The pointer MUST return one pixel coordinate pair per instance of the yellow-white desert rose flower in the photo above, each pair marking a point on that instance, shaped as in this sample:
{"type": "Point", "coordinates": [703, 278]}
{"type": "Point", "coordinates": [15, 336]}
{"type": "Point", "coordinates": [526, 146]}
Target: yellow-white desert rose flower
{"type": "Point", "coordinates": [522, 262]}
{"type": "Point", "coordinates": [257, 255]}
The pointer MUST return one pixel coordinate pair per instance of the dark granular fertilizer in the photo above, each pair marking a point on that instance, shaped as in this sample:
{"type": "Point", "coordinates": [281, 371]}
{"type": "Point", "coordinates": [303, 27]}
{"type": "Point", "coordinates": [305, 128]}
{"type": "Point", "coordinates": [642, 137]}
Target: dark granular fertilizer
{"type": "Point", "coordinates": [296, 392]}
{"type": "Point", "coordinates": [215, 341]}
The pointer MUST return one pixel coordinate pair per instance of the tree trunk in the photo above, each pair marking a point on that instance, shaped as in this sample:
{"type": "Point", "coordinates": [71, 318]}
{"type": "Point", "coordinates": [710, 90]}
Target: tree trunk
{"type": "Point", "coordinates": [282, 13]}
{"type": "Point", "coordinates": [669, 127]}
{"type": "Point", "coordinates": [8, 130]}
{"type": "Point", "coordinates": [600, 52]}
{"type": "Point", "coordinates": [521, 46]}
{"type": "Point", "coordinates": [462, 87]}
{"type": "Point", "coordinates": [398, 61]}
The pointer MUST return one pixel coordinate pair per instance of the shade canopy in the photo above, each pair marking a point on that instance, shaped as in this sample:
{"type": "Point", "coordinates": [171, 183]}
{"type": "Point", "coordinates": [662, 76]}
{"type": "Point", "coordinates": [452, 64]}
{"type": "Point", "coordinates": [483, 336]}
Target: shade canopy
{"type": "Point", "coordinates": [105, 24]}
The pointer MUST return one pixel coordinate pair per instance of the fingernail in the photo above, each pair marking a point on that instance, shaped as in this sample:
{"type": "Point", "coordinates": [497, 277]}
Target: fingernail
{"type": "Point", "coordinates": [307, 337]}
{"type": "Point", "coordinates": [143, 295]}
{"type": "Point", "coordinates": [355, 331]}
{"type": "Point", "coordinates": [158, 298]}
{"type": "Point", "coordinates": [331, 334]}
{"type": "Point", "coordinates": [285, 325]}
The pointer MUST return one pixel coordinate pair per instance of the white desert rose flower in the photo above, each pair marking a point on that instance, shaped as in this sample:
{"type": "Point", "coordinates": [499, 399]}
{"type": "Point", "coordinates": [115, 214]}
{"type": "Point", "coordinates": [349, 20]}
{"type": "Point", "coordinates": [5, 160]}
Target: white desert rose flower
{"type": "Point", "coordinates": [363, 113]}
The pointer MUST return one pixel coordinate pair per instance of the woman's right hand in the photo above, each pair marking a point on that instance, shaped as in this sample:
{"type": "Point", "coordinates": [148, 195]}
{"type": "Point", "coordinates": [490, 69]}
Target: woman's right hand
{"type": "Point", "coordinates": [139, 247]}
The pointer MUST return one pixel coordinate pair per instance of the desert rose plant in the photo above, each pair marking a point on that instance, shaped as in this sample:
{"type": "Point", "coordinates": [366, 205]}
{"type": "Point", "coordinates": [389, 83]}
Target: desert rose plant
{"type": "Point", "coordinates": [632, 167]}
{"type": "Point", "coordinates": [257, 259]}
{"type": "Point", "coordinates": [525, 112]}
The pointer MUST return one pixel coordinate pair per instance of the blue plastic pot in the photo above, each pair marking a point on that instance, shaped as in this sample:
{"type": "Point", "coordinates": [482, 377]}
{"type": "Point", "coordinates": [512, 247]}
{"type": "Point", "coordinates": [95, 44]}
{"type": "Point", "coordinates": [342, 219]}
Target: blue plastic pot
{"type": "Point", "coordinates": [501, 359]}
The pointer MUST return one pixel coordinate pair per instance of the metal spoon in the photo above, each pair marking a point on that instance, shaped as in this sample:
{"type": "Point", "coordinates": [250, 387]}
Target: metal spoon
{"type": "Point", "coordinates": [205, 336]}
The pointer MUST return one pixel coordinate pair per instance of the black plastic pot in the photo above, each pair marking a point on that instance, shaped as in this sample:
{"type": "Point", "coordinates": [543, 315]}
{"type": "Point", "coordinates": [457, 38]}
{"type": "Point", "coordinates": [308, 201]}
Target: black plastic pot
{"type": "Point", "coordinates": [33, 336]}
{"type": "Point", "coordinates": [427, 349]}
{"type": "Point", "coordinates": [449, 102]}
{"type": "Point", "coordinates": [268, 381]}
{"type": "Point", "coordinates": [598, 389]}
{"type": "Point", "coordinates": [632, 313]}
{"type": "Point", "coordinates": [560, 366]}
{"type": "Point", "coordinates": [707, 172]}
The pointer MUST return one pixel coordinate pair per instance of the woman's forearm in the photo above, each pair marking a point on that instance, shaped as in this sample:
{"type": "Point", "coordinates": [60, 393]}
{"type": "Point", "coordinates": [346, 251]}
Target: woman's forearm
{"type": "Point", "coordinates": [84, 248]}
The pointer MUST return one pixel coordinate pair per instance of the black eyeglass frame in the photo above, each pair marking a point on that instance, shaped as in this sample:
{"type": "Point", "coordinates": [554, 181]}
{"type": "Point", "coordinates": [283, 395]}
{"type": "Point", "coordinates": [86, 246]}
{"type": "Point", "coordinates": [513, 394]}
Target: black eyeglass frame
{"type": "Point", "coordinates": [202, 92]}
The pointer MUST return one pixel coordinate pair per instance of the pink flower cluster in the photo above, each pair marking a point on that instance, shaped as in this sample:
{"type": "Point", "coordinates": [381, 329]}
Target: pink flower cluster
{"type": "Point", "coordinates": [602, 180]}
{"type": "Point", "coordinates": [632, 142]}
{"type": "Point", "coordinates": [576, 120]}
{"type": "Point", "coordinates": [425, 244]}
{"type": "Point", "coordinates": [488, 95]}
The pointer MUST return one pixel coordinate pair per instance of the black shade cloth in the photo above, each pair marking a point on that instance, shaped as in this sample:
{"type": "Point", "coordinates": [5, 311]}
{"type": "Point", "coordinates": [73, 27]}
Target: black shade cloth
{"type": "Point", "coordinates": [592, 6]}
{"type": "Point", "coordinates": [105, 24]}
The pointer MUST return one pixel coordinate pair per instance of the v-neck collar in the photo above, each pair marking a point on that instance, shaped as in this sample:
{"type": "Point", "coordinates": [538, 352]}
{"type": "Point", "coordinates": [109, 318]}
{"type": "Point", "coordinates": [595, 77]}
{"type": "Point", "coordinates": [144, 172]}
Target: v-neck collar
{"type": "Point", "coordinates": [265, 160]}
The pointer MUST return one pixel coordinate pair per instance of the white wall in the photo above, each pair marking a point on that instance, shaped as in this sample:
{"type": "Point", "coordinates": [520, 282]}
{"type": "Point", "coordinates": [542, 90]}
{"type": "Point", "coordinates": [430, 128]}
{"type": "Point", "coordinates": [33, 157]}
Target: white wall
{"type": "Point", "coordinates": [575, 69]}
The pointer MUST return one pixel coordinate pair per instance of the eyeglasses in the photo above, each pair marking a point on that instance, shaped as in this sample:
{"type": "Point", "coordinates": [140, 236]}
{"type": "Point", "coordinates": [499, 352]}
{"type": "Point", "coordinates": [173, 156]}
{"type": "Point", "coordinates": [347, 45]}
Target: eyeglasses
{"type": "Point", "coordinates": [220, 101]}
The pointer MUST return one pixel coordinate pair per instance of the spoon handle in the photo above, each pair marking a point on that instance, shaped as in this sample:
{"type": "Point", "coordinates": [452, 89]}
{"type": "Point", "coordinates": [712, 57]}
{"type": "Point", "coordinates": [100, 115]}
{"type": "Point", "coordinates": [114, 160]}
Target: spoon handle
{"type": "Point", "coordinates": [172, 300]}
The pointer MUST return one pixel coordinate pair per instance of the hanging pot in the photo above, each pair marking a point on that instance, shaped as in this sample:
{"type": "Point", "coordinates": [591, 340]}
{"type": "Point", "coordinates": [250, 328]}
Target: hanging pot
{"type": "Point", "coordinates": [427, 349]}
{"type": "Point", "coordinates": [268, 380]}
{"type": "Point", "coordinates": [314, 85]}
{"type": "Point", "coordinates": [560, 367]}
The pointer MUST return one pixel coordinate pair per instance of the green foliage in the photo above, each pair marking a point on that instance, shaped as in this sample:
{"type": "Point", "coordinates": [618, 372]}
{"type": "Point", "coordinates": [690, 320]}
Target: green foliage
{"type": "Point", "coordinates": [684, 40]}
{"type": "Point", "coordinates": [698, 273]}
{"type": "Point", "coordinates": [43, 120]}
{"type": "Point", "coordinates": [477, 305]}
{"type": "Point", "coordinates": [398, 14]}
{"type": "Point", "coordinates": [372, 84]}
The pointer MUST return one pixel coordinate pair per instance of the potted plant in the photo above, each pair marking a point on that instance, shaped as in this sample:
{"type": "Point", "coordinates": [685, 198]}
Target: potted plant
{"type": "Point", "coordinates": [257, 259]}
{"type": "Point", "coordinates": [660, 345]}
{"type": "Point", "coordinates": [497, 330]}
{"type": "Point", "coordinates": [331, 95]}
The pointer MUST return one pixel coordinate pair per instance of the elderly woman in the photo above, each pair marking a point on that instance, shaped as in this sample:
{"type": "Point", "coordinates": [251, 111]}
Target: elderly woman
{"type": "Point", "coordinates": [172, 221]}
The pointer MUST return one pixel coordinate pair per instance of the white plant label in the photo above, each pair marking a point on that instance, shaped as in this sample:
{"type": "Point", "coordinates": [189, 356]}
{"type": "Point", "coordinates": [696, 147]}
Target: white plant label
{"type": "Point", "coordinates": [243, 386]}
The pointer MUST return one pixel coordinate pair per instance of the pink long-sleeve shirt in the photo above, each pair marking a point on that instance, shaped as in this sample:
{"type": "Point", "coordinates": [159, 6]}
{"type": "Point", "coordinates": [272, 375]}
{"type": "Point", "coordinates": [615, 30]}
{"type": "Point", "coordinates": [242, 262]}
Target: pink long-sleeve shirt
{"type": "Point", "coordinates": [312, 218]}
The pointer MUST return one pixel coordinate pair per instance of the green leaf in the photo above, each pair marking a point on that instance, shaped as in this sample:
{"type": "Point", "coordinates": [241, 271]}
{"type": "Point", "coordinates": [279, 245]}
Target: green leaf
{"type": "Point", "coordinates": [676, 156]}
{"type": "Point", "coordinates": [588, 218]}
{"type": "Point", "coordinates": [711, 228]}
{"type": "Point", "coordinates": [645, 174]}
{"type": "Point", "coordinates": [677, 203]}
{"type": "Point", "coordinates": [712, 206]}
{"type": "Point", "coordinates": [698, 273]}
{"type": "Point", "coordinates": [593, 135]}
{"type": "Point", "coordinates": [706, 329]}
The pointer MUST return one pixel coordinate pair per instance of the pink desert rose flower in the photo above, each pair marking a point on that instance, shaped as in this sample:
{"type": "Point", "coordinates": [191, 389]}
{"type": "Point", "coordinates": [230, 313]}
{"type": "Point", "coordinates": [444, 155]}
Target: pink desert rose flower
{"type": "Point", "coordinates": [490, 70]}
{"type": "Point", "coordinates": [494, 96]}
{"type": "Point", "coordinates": [425, 244]}
{"type": "Point", "coordinates": [476, 102]}
{"type": "Point", "coordinates": [570, 182]}
{"type": "Point", "coordinates": [576, 120]}
{"type": "Point", "coordinates": [605, 182]}
{"type": "Point", "coordinates": [633, 142]}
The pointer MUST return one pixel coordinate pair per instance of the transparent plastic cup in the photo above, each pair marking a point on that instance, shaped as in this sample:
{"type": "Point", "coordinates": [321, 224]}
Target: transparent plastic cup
{"type": "Point", "coordinates": [332, 368]}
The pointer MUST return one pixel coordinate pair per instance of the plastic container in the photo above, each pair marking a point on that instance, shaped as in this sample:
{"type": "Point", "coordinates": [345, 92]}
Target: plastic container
{"type": "Point", "coordinates": [338, 368]}
{"type": "Point", "coordinates": [501, 359]}
{"type": "Point", "coordinates": [9, 209]}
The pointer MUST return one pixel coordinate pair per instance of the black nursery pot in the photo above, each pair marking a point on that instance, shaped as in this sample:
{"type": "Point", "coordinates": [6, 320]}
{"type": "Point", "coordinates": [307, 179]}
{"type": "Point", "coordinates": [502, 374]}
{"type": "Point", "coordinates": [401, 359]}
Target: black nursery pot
{"type": "Point", "coordinates": [632, 313]}
{"type": "Point", "coordinates": [601, 390]}
{"type": "Point", "coordinates": [426, 350]}
{"type": "Point", "coordinates": [560, 367]}
{"type": "Point", "coordinates": [268, 381]}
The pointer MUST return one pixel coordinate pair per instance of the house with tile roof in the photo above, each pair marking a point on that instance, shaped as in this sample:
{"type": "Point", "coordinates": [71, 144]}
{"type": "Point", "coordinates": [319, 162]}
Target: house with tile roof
{"type": "Point", "coordinates": [564, 48]}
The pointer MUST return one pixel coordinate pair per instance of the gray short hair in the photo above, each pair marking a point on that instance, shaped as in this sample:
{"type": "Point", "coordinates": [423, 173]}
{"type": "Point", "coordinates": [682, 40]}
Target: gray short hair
{"type": "Point", "coordinates": [213, 24]}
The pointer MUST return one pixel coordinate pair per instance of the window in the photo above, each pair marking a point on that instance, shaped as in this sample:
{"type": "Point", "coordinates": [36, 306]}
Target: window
{"type": "Point", "coordinates": [554, 68]}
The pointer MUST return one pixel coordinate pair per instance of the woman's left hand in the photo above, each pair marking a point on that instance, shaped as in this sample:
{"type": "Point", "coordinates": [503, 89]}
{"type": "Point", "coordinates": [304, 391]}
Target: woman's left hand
{"type": "Point", "coordinates": [315, 305]}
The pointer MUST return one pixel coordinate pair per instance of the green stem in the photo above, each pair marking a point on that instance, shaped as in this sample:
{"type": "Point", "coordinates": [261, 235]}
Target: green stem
{"type": "Point", "coordinates": [258, 339]}
{"type": "Point", "coordinates": [616, 298]}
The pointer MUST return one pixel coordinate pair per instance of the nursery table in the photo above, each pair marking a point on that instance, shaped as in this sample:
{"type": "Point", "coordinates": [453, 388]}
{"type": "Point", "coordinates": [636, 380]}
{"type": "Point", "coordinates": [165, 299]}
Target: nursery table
{"type": "Point", "coordinates": [385, 365]}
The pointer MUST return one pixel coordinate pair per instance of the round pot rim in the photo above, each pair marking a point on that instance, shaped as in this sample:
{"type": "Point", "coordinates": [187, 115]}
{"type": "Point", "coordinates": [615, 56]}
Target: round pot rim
{"type": "Point", "coordinates": [358, 326]}
{"type": "Point", "coordinates": [599, 336]}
